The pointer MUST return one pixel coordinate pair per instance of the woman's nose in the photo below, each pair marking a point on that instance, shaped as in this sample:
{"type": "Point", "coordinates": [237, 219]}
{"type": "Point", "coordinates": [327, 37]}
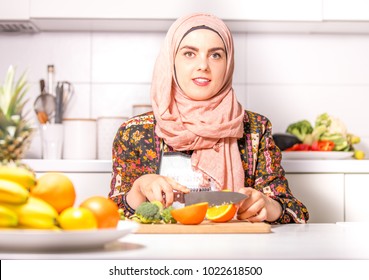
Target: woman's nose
{"type": "Point", "coordinates": [203, 64]}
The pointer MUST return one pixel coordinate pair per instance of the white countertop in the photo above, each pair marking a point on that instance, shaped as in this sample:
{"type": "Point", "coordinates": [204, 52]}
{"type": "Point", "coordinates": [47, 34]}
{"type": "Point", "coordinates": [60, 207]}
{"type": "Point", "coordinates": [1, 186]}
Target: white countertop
{"type": "Point", "coordinates": [290, 166]}
{"type": "Point", "coordinates": [310, 241]}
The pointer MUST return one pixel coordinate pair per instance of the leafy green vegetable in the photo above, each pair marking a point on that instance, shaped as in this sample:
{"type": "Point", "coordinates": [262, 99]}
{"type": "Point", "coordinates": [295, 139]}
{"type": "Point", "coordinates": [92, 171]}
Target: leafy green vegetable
{"type": "Point", "coordinates": [153, 213]}
{"type": "Point", "coordinates": [167, 216]}
{"type": "Point", "coordinates": [147, 213]}
{"type": "Point", "coordinates": [300, 129]}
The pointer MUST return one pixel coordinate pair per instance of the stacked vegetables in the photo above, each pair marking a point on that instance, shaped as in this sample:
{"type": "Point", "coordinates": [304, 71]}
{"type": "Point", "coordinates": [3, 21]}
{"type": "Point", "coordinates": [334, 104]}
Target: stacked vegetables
{"type": "Point", "coordinates": [328, 134]}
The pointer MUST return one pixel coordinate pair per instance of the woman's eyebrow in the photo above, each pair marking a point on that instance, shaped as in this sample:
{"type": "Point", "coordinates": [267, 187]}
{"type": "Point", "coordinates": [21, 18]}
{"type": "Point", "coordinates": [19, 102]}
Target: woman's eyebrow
{"type": "Point", "coordinates": [197, 49]}
{"type": "Point", "coordinates": [189, 47]}
{"type": "Point", "coordinates": [217, 49]}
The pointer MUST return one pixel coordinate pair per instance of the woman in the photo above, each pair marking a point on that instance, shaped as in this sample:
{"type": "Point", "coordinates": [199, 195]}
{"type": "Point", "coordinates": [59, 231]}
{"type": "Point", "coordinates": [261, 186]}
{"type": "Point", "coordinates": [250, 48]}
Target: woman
{"type": "Point", "coordinates": [195, 111]}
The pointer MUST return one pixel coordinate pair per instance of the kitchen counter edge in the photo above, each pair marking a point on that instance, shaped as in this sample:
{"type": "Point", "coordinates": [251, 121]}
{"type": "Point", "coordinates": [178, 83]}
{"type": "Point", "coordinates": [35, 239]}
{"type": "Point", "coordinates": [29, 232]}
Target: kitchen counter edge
{"type": "Point", "coordinates": [290, 166]}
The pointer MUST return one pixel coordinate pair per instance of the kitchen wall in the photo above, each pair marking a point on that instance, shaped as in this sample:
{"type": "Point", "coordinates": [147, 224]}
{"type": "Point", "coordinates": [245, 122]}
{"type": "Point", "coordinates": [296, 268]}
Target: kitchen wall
{"type": "Point", "coordinates": [287, 77]}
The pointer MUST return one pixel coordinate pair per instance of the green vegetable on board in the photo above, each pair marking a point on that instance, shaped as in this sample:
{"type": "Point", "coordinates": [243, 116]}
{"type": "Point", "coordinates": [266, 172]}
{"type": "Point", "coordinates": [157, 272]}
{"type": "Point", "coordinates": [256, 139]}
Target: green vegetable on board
{"type": "Point", "coordinates": [153, 213]}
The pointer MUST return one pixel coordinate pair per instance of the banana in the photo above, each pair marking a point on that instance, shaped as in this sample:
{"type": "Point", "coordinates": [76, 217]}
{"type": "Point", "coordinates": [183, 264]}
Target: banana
{"type": "Point", "coordinates": [8, 218]}
{"type": "Point", "coordinates": [12, 192]}
{"type": "Point", "coordinates": [18, 175]}
{"type": "Point", "coordinates": [35, 213]}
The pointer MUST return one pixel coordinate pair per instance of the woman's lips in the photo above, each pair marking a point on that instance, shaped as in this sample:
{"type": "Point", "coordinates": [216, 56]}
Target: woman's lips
{"type": "Point", "coordinates": [201, 81]}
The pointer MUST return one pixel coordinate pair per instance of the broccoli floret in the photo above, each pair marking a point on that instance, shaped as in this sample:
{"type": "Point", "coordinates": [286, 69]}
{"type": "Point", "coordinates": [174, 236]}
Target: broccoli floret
{"type": "Point", "coordinates": [167, 216]}
{"type": "Point", "coordinates": [147, 213]}
{"type": "Point", "coordinates": [159, 204]}
{"type": "Point", "coordinates": [300, 129]}
{"type": "Point", "coordinates": [153, 213]}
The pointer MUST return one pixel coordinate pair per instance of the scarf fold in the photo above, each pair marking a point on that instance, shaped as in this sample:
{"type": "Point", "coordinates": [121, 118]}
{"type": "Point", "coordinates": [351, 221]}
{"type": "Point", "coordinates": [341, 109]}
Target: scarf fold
{"type": "Point", "coordinates": [211, 127]}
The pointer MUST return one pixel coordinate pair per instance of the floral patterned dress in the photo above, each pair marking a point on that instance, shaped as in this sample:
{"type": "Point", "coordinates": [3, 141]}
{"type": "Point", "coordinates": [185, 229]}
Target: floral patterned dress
{"type": "Point", "coordinates": [137, 150]}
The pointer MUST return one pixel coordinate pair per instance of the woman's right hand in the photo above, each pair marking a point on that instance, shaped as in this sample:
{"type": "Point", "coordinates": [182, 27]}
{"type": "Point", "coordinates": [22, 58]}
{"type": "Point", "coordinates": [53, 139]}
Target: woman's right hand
{"type": "Point", "coordinates": [154, 187]}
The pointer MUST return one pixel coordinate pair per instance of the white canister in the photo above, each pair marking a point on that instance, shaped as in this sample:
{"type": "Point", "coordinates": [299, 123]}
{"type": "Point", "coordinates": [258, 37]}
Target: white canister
{"type": "Point", "coordinates": [79, 139]}
{"type": "Point", "coordinates": [107, 127]}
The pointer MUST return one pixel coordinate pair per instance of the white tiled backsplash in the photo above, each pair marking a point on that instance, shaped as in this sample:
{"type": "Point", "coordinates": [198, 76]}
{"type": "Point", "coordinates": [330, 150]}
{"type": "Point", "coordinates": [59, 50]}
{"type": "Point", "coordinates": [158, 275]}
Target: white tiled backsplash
{"type": "Point", "coordinates": [286, 77]}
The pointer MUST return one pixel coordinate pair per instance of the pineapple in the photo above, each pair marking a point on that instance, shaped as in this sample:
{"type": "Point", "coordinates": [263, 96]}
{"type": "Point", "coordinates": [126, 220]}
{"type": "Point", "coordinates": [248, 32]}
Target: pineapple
{"type": "Point", "coordinates": [15, 131]}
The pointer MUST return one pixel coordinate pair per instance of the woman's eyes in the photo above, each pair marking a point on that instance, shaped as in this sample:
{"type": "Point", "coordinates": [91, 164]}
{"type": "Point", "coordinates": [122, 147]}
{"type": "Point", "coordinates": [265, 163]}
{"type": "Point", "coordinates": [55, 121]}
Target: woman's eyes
{"type": "Point", "coordinates": [213, 55]}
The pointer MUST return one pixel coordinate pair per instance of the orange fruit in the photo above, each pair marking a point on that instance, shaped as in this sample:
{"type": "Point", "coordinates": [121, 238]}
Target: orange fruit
{"type": "Point", "coordinates": [105, 211]}
{"type": "Point", "coordinates": [77, 218]}
{"type": "Point", "coordinates": [190, 215]}
{"type": "Point", "coordinates": [221, 213]}
{"type": "Point", "coordinates": [56, 189]}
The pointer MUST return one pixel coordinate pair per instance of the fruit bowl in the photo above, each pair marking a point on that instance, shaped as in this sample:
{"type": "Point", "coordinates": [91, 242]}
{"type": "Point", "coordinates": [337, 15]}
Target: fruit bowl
{"type": "Point", "coordinates": [62, 240]}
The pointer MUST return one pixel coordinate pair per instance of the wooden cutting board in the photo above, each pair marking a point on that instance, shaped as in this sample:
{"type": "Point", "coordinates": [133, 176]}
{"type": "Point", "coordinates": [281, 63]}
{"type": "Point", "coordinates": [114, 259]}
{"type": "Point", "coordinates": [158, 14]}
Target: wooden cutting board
{"type": "Point", "coordinates": [206, 227]}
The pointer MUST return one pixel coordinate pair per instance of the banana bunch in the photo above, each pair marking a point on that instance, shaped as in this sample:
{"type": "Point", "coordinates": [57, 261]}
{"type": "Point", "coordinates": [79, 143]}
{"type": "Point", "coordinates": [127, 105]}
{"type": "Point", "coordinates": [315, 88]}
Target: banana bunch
{"type": "Point", "coordinates": [35, 213]}
{"type": "Point", "coordinates": [18, 175]}
{"type": "Point", "coordinates": [17, 207]}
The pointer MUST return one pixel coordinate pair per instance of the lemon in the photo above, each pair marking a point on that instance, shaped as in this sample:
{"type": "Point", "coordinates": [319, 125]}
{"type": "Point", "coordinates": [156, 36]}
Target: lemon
{"type": "Point", "coordinates": [358, 154]}
{"type": "Point", "coordinates": [77, 218]}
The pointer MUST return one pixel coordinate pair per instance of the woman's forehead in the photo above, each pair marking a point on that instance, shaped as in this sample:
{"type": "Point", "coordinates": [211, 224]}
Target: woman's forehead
{"type": "Point", "coordinates": [200, 36]}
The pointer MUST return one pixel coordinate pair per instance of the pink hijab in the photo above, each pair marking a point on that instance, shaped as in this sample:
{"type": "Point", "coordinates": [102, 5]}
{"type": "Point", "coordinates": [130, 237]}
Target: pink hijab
{"type": "Point", "coordinates": [210, 128]}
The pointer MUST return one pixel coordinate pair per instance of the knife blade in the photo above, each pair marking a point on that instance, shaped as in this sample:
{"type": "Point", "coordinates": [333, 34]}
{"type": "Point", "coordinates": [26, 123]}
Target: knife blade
{"type": "Point", "coordinates": [212, 197]}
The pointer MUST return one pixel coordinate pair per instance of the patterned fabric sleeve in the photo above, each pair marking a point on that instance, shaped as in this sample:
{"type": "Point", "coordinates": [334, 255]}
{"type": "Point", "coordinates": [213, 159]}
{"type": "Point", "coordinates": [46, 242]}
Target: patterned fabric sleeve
{"type": "Point", "coordinates": [268, 174]}
{"type": "Point", "coordinates": [133, 155]}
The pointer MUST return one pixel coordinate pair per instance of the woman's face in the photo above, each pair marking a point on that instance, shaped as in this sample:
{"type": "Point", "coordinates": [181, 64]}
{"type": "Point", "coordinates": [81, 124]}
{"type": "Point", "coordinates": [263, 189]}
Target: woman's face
{"type": "Point", "coordinates": [200, 64]}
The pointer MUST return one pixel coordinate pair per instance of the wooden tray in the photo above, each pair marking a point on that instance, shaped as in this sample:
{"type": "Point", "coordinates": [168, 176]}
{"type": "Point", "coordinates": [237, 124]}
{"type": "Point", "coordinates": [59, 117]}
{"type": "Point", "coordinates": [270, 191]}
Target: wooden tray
{"type": "Point", "coordinates": [206, 227]}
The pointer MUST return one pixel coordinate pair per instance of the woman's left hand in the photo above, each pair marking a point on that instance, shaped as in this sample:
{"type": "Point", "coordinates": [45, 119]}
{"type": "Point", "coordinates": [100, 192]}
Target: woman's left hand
{"type": "Point", "coordinates": [258, 207]}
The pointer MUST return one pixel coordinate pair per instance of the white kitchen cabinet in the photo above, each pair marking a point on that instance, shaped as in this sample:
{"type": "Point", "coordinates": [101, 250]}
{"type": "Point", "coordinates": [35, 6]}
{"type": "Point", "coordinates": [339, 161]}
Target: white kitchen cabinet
{"type": "Point", "coordinates": [346, 10]}
{"type": "Point", "coordinates": [300, 10]}
{"type": "Point", "coordinates": [322, 194]}
{"type": "Point", "coordinates": [159, 14]}
{"type": "Point", "coordinates": [15, 17]}
{"type": "Point", "coordinates": [88, 184]}
{"type": "Point", "coordinates": [14, 10]}
{"type": "Point", "coordinates": [356, 197]}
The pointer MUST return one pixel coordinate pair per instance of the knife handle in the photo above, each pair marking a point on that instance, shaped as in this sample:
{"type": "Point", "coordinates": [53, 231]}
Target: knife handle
{"type": "Point", "coordinates": [179, 197]}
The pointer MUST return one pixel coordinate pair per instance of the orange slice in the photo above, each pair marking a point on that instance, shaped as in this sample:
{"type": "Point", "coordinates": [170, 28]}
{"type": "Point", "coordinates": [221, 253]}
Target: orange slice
{"type": "Point", "coordinates": [221, 213]}
{"type": "Point", "coordinates": [190, 215]}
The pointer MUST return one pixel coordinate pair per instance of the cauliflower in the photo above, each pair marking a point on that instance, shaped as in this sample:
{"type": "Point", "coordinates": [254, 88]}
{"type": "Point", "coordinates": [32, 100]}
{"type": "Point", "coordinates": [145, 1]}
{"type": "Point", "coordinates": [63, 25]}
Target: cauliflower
{"type": "Point", "coordinates": [333, 125]}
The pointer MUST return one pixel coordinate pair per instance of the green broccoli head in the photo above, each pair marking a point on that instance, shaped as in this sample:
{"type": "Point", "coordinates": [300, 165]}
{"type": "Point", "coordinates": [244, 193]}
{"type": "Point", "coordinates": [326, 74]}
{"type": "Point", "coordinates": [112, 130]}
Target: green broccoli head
{"type": "Point", "coordinates": [167, 216]}
{"type": "Point", "coordinates": [148, 213]}
{"type": "Point", "coordinates": [153, 213]}
{"type": "Point", "coordinates": [300, 129]}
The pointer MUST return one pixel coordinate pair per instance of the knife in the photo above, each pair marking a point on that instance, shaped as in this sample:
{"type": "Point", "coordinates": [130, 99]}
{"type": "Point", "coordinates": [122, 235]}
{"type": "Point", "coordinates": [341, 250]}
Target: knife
{"type": "Point", "coordinates": [212, 197]}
